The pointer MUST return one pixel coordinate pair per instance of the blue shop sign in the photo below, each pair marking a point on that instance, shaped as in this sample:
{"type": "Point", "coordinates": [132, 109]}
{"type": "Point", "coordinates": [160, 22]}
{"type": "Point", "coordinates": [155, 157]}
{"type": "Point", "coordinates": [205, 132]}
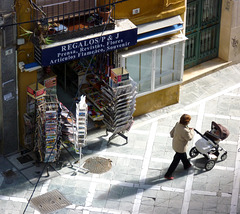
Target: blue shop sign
{"type": "Point", "coordinates": [83, 48]}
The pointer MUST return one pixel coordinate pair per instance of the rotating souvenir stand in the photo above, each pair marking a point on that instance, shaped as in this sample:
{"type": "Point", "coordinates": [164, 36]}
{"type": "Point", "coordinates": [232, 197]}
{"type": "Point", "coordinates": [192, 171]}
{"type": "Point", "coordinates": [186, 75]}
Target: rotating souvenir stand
{"type": "Point", "coordinates": [81, 129]}
{"type": "Point", "coordinates": [121, 105]}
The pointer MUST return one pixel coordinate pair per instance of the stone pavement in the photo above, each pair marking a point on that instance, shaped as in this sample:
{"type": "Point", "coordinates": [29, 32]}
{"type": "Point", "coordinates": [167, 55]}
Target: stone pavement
{"type": "Point", "coordinates": [135, 182]}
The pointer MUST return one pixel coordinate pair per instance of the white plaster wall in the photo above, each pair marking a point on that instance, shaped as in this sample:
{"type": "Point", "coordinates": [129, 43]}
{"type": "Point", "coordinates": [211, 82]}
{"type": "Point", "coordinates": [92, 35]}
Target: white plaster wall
{"type": "Point", "coordinates": [225, 30]}
{"type": "Point", "coordinates": [229, 43]}
{"type": "Point", "coordinates": [235, 32]}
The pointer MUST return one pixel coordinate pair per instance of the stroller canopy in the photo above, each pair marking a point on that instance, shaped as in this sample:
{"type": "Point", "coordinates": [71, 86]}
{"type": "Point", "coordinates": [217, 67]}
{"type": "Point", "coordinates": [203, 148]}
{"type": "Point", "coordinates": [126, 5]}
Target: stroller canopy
{"type": "Point", "coordinates": [223, 131]}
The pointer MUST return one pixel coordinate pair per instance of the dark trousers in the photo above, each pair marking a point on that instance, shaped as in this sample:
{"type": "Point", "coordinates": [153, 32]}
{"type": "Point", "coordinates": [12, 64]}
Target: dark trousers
{"type": "Point", "coordinates": [176, 159]}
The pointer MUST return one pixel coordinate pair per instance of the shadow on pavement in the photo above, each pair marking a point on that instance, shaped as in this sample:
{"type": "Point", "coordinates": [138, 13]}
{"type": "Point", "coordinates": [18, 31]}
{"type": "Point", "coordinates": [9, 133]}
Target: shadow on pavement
{"type": "Point", "coordinates": [198, 168]}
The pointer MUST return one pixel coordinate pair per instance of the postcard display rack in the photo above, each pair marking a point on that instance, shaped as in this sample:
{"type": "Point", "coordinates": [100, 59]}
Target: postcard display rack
{"type": "Point", "coordinates": [81, 129]}
{"type": "Point", "coordinates": [121, 99]}
{"type": "Point", "coordinates": [81, 123]}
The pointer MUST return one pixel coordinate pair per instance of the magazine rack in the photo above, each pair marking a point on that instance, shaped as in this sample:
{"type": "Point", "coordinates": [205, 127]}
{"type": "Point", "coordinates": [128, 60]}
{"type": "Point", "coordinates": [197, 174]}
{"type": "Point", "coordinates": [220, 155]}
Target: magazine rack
{"type": "Point", "coordinates": [47, 132]}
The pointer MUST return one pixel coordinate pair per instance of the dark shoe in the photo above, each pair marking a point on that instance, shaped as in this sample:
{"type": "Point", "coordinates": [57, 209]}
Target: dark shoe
{"type": "Point", "coordinates": [169, 178]}
{"type": "Point", "coordinates": [188, 167]}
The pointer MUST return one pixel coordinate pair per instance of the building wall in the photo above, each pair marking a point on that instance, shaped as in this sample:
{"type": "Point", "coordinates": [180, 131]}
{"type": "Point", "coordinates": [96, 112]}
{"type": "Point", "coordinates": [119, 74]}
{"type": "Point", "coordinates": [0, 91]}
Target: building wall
{"type": "Point", "coordinates": [157, 100]}
{"type": "Point", "coordinates": [229, 45]}
{"type": "Point", "coordinates": [25, 54]}
{"type": "Point", "coordinates": [8, 80]}
{"type": "Point", "coordinates": [149, 10]}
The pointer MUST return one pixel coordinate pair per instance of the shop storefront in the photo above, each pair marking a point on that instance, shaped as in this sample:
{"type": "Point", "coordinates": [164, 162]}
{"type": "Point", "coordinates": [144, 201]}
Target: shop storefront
{"type": "Point", "coordinates": [149, 55]}
{"type": "Point", "coordinates": [74, 70]}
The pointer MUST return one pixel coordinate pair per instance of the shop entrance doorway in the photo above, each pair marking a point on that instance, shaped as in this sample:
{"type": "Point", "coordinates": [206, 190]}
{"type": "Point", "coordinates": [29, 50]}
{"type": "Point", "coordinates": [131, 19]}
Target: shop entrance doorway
{"type": "Point", "coordinates": [83, 77]}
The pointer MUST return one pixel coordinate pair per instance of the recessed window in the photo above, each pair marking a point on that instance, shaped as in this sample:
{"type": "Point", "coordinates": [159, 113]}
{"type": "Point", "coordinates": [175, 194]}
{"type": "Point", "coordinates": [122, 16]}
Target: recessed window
{"type": "Point", "coordinates": [155, 67]}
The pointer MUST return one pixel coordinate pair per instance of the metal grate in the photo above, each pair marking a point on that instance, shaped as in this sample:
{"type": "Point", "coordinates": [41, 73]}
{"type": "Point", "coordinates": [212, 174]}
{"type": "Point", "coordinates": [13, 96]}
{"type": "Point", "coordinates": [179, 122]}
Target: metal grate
{"type": "Point", "coordinates": [25, 159]}
{"type": "Point", "coordinates": [50, 202]}
{"type": "Point", "coordinates": [98, 165]}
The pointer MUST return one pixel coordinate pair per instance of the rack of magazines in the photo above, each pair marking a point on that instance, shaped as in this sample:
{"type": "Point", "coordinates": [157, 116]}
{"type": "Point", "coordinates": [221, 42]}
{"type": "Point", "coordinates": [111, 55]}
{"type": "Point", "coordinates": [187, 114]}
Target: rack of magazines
{"type": "Point", "coordinates": [47, 132]}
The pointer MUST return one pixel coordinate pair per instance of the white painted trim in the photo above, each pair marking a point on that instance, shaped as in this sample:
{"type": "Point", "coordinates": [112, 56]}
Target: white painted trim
{"type": "Point", "coordinates": [156, 25]}
{"type": "Point", "coordinates": [162, 43]}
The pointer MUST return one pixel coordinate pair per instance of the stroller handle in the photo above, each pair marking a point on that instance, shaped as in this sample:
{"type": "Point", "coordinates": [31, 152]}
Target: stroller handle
{"type": "Point", "coordinates": [200, 134]}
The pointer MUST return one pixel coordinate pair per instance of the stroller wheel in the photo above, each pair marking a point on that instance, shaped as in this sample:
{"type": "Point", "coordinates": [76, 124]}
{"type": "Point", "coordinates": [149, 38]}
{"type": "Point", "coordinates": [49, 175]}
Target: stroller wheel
{"type": "Point", "coordinates": [224, 156]}
{"type": "Point", "coordinates": [209, 165]}
{"type": "Point", "coordinates": [193, 152]}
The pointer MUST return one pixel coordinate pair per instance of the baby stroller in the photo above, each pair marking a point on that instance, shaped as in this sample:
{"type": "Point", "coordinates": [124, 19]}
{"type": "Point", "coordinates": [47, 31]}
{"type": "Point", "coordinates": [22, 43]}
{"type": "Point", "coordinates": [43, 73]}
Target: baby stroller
{"type": "Point", "coordinates": [208, 145]}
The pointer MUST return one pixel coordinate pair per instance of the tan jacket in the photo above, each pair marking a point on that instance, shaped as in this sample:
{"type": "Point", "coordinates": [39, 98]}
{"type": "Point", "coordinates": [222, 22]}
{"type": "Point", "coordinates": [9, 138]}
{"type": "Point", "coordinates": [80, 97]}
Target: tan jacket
{"type": "Point", "coordinates": [181, 135]}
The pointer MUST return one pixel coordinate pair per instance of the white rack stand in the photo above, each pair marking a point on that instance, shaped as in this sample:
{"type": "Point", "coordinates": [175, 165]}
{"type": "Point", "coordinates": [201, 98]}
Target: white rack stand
{"type": "Point", "coordinates": [81, 130]}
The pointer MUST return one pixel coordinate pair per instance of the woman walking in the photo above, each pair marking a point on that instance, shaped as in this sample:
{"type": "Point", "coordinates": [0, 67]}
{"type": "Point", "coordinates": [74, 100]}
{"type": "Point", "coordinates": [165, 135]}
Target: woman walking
{"type": "Point", "coordinates": [181, 134]}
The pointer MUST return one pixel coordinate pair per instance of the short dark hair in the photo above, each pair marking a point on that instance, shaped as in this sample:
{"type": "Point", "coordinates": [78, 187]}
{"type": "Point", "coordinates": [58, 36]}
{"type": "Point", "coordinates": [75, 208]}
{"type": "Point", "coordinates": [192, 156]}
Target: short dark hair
{"type": "Point", "coordinates": [185, 119]}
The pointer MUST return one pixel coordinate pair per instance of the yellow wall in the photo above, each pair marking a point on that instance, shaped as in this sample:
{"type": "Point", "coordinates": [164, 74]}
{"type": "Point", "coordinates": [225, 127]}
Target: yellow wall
{"type": "Point", "coordinates": [150, 10]}
{"type": "Point", "coordinates": [25, 53]}
{"type": "Point", "coordinates": [157, 100]}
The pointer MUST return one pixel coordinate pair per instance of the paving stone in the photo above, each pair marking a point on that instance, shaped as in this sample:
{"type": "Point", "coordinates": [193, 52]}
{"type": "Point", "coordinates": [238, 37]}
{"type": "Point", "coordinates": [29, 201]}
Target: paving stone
{"type": "Point", "coordinates": [99, 203]}
{"type": "Point", "coordinates": [112, 204]}
{"type": "Point", "coordinates": [78, 212]}
{"type": "Point", "coordinates": [77, 199]}
{"type": "Point", "coordinates": [115, 192]}
{"type": "Point", "coordinates": [103, 187]}
{"type": "Point", "coordinates": [223, 208]}
{"type": "Point", "coordinates": [148, 201]}
{"type": "Point", "coordinates": [92, 212]}
{"type": "Point", "coordinates": [101, 195]}
{"type": "Point", "coordinates": [120, 169]}
{"type": "Point", "coordinates": [172, 210]}
{"type": "Point", "coordinates": [128, 198]}
{"type": "Point", "coordinates": [196, 205]}
{"type": "Point", "coordinates": [108, 175]}
{"type": "Point", "coordinates": [161, 202]}
{"type": "Point", "coordinates": [126, 206]}
{"type": "Point", "coordinates": [11, 212]}
{"type": "Point", "coordinates": [212, 187]}
{"type": "Point", "coordinates": [14, 205]}
{"type": "Point", "coordinates": [146, 208]}
{"type": "Point", "coordinates": [131, 178]}
{"type": "Point", "coordinates": [209, 206]}
{"type": "Point", "coordinates": [238, 208]}
{"type": "Point", "coordinates": [150, 193]}
{"type": "Point", "coordinates": [3, 205]}
{"type": "Point", "coordinates": [193, 211]}
{"type": "Point", "coordinates": [158, 210]}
